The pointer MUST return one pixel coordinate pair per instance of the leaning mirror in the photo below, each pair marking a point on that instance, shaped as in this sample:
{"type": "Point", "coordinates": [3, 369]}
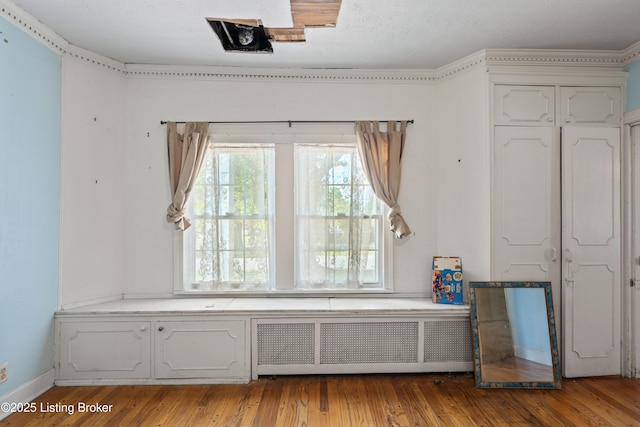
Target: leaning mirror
{"type": "Point", "coordinates": [514, 335]}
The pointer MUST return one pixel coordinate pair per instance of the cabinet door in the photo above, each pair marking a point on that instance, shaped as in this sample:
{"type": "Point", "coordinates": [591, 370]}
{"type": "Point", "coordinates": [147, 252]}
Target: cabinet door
{"type": "Point", "coordinates": [524, 105]}
{"type": "Point", "coordinates": [586, 106]}
{"type": "Point", "coordinates": [526, 205]}
{"type": "Point", "coordinates": [202, 349]}
{"type": "Point", "coordinates": [104, 350]}
{"type": "Point", "coordinates": [591, 251]}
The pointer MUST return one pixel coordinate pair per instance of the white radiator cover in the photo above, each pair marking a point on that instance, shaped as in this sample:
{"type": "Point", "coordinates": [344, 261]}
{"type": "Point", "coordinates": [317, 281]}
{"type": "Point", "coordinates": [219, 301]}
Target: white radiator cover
{"type": "Point", "coordinates": [360, 345]}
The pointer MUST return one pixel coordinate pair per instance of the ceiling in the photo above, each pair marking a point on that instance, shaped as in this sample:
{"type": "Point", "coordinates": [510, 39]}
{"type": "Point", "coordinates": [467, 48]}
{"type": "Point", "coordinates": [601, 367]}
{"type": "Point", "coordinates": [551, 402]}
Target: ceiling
{"type": "Point", "coordinates": [370, 34]}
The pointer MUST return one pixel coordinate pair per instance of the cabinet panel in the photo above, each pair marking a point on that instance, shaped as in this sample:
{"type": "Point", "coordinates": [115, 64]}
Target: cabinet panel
{"type": "Point", "coordinates": [105, 350]}
{"type": "Point", "coordinates": [590, 106]}
{"type": "Point", "coordinates": [201, 349]}
{"type": "Point", "coordinates": [524, 105]}
{"type": "Point", "coordinates": [526, 212]}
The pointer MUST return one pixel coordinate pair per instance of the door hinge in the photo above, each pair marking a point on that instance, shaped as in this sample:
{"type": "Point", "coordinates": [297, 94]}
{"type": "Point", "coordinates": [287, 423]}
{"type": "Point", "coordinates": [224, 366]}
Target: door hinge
{"type": "Point", "coordinates": [632, 282]}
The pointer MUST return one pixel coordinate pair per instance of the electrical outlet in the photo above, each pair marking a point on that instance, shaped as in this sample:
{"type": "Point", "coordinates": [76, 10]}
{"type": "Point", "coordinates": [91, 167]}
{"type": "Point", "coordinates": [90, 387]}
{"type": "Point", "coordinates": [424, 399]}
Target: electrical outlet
{"type": "Point", "coordinates": [4, 372]}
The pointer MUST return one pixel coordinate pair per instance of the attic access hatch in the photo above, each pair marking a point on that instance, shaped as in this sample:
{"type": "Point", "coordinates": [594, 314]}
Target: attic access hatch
{"type": "Point", "coordinates": [248, 35]}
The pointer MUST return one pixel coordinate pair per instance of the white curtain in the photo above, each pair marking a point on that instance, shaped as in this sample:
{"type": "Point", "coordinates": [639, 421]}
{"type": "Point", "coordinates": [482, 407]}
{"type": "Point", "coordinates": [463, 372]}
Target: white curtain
{"type": "Point", "coordinates": [336, 219]}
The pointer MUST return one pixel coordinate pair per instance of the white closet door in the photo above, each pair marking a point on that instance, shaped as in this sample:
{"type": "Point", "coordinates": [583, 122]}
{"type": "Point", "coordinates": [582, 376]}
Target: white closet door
{"type": "Point", "coordinates": [591, 250]}
{"type": "Point", "coordinates": [524, 105]}
{"type": "Point", "coordinates": [590, 106]}
{"type": "Point", "coordinates": [526, 200]}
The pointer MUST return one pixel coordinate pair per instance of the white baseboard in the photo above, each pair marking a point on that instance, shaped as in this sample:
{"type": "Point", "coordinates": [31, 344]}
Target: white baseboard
{"type": "Point", "coordinates": [28, 391]}
{"type": "Point", "coordinates": [537, 356]}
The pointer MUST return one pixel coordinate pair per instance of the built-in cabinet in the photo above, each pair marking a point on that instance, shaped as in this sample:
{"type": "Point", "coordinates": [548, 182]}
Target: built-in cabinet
{"type": "Point", "coordinates": [110, 349]}
{"type": "Point", "coordinates": [556, 209]}
{"type": "Point", "coordinates": [198, 340]}
{"type": "Point", "coordinates": [524, 105]}
{"type": "Point", "coordinates": [160, 348]}
{"type": "Point", "coordinates": [529, 105]}
{"type": "Point", "coordinates": [201, 349]}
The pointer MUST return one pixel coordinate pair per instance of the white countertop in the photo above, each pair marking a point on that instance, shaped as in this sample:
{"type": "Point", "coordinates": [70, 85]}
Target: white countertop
{"type": "Point", "coordinates": [278, 305]}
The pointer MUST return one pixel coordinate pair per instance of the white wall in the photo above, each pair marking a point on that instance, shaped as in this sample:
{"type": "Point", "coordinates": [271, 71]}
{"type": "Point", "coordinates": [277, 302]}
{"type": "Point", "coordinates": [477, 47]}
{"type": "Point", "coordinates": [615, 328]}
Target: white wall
{"type": "Point", "coordinates": [464, 170]}
{"type": "Point", "coordinates": [92, 183]}
{"type": "Point", "coordinates": [117, 243]}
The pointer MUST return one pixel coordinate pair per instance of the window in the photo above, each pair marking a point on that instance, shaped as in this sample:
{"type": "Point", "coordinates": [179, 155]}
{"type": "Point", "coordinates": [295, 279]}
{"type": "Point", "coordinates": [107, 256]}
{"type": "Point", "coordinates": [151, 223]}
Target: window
{"type": "Point", "coordinates": [231, 246]}
{"type": "Point", "coordinates": [283, 212]}
{"type": "Point", "coordinates": [338, 220]}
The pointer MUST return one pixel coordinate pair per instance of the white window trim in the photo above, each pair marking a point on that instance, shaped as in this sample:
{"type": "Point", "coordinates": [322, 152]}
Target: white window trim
{"type": "Point", "coordinates": [283, 135]}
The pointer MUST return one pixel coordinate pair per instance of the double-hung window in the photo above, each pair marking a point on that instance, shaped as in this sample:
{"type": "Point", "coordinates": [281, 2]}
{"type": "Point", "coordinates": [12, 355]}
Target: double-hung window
{"type": "Point", "coordinates": [276, 210]}
{"type": "Point", "coordinates": [338, 220]}
{"type": "Point", "coordinates": [231, 244]}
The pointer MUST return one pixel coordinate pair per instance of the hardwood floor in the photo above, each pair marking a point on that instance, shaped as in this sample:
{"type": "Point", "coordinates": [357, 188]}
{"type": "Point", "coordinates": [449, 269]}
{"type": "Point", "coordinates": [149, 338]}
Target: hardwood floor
{"type": "Point", "coordinates": [341, 400]}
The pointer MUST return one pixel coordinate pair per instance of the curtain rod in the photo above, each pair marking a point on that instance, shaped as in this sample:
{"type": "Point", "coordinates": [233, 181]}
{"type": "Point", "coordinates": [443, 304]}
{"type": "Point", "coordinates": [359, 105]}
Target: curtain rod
{"type": "Point", "coordinates": [290, 122]}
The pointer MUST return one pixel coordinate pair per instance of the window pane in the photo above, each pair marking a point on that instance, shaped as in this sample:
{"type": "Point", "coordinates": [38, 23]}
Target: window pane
{"type": "Point", "coordinates": [233, 219]}
{"type": "Point", "coordinates": [338, 220]}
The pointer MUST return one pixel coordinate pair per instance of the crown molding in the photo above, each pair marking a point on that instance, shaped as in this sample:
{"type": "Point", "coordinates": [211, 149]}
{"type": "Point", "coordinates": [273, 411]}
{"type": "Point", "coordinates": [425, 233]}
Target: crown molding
{"type": "Point", "coordinates": [600, 59]}
{"type": "Point", "coordinates": [631, 54]}
{"type": "Point", "coordinates": [89, 57]}
{"type": "Point", "coordinates": [492, 59]}
{"type": "Point", "coordinates": [464, 64]}
{"type": "Point", "coordinates": [27, 23]}
{"type": "Point", "coordinates": [280, 74]}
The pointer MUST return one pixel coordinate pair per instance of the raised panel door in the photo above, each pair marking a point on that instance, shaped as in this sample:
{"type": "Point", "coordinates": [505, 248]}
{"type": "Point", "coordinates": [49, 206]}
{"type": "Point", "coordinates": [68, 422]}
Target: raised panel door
{"type": "Point", "coordinates": [591, 251]}
{"type": "Point", "coordinates": [202, 349]}
{"type": "Point", "coordinates": [105, 350]}
{"type": "Point", "coordinates": [590, 106]}
{"type": "Point", "coordinates": [524, 105]}
{"type": "Point", "coordinates": [526, 205]}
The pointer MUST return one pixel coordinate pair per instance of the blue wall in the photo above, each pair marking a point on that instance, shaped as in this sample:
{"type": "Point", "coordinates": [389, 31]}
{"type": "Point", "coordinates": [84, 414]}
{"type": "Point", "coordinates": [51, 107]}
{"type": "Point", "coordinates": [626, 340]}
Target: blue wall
{"type": "Point", "coordinates": [633, 86]}
{"type": "Point", "coordinates": [30, 120]}
{"type": "Point", "coordinates": [524, 305]}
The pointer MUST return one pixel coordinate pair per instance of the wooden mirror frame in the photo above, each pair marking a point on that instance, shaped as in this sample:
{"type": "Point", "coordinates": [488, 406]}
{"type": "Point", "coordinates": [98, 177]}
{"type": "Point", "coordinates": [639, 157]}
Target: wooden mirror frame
{"type": "Point", "coordinates": [553, 345]}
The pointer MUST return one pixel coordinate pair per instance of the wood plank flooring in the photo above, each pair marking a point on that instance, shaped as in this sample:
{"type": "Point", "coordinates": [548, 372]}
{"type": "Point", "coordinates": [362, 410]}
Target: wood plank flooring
{"type": "Point", "coordinates": [342, 400]}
